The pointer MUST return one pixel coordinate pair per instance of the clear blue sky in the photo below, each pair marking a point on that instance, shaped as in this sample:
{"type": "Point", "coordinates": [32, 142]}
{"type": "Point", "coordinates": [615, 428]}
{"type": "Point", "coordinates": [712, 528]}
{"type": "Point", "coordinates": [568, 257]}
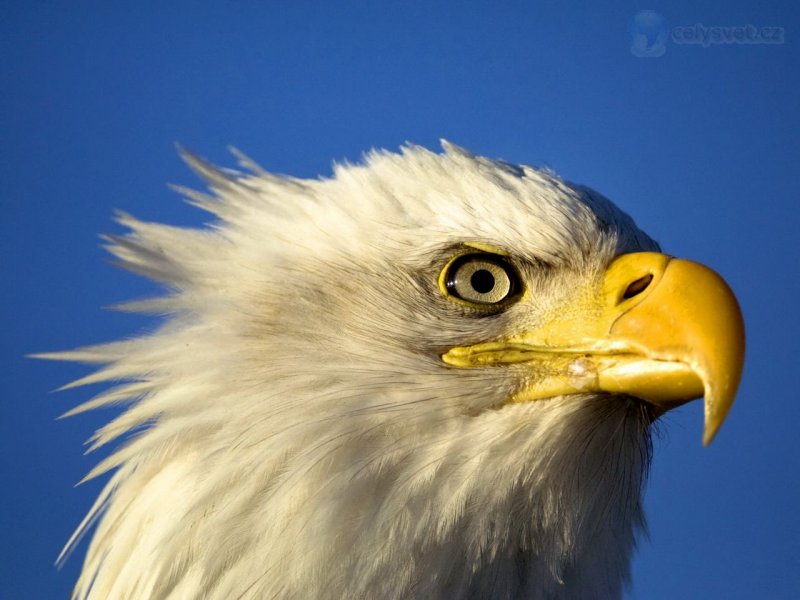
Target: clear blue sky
{"type": "Point", "coordinates": [699, 144]}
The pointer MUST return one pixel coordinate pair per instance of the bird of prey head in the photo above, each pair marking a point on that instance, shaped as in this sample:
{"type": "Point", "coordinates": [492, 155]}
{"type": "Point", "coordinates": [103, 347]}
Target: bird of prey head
{"type": "Point", "coordinates": [429, 376]}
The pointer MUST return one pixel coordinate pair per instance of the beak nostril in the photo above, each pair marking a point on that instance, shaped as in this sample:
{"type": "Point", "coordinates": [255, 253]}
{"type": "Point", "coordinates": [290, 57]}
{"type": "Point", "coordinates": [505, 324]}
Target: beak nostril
{"type": "Point", "coordinates": [637, 287]}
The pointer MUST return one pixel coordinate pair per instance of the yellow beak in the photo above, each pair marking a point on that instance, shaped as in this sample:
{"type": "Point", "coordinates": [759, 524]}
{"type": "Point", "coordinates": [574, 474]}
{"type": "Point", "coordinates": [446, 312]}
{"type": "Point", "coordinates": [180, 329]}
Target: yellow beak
{"type": "Point", "coordinates": [662, 329]}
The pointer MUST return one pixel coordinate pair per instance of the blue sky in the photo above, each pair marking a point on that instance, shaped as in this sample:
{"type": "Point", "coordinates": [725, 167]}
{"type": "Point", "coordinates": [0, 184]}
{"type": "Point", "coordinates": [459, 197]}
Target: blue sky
{"type": "Point", "coordinates": [698, 143]}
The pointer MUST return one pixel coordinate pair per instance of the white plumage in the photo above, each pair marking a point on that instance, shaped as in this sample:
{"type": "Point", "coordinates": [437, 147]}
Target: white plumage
{"type": "Point", "coordinates": [291, 430]}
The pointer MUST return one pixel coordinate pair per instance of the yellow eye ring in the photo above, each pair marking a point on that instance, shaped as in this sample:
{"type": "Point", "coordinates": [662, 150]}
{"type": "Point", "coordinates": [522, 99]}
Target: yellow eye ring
{"type": "Point", "coordinates": [481, 280]}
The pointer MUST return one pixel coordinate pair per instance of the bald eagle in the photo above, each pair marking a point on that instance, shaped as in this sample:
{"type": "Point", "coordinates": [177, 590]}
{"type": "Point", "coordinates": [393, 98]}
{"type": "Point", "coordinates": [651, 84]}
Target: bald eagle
{"type": "Point", "coordinates": [427, 376]}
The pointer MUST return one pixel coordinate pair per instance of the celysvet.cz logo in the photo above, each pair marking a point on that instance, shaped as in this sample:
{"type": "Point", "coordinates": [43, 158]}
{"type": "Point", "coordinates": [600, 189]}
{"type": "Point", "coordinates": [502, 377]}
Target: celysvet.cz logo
{"type": "Point", "coordinates": [650, 34]}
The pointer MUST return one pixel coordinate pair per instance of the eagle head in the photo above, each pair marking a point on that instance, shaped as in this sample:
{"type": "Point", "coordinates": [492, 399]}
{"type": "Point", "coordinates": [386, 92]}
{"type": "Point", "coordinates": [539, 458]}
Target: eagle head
{"type": "Point", "coordinates": [428, 376]}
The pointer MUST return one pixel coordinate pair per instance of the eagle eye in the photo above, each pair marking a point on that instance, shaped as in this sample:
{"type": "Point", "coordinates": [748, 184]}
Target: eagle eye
{"type": "Point", "coordinates": [480, 279]}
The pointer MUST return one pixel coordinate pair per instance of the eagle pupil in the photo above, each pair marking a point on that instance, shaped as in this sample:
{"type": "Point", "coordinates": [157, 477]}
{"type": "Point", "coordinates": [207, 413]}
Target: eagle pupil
{"type": "Point", "coordinates": [482, 281]}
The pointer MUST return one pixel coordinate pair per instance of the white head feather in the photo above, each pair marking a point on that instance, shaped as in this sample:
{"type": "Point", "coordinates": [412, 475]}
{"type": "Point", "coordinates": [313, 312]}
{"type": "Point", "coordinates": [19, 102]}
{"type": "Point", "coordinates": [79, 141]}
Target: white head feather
{"type": "Point", "coordinates": [292, 431]}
